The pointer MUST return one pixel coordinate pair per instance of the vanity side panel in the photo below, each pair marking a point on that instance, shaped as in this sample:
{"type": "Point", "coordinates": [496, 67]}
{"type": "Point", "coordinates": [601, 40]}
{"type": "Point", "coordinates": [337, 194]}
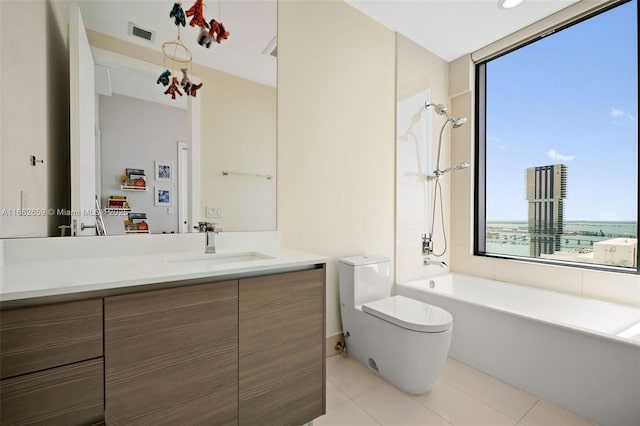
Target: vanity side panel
{"type": "Point", "coordinates": [281, 348]}
{"type": "Point", "coordinates": [171, 356]}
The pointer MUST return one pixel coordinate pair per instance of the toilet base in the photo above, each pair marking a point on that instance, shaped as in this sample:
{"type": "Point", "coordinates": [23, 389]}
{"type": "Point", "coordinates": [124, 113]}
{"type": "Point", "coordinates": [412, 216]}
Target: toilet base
{"type": "Point", "coordinates": [411, 361]}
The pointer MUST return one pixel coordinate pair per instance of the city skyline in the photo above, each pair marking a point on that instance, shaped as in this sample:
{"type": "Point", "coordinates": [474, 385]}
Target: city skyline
{"type": "Point", "coordinates": [587, 120]}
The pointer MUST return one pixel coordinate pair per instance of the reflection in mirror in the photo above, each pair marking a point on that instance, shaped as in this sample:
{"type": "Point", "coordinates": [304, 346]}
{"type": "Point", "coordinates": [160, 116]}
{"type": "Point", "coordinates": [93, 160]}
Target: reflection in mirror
{"type": "Point", "coordinates": [237, 106]}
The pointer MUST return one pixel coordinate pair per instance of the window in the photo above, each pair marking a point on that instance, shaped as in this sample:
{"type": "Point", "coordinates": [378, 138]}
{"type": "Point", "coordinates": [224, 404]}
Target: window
{"type": "Point", "coordinates": [557, 146]}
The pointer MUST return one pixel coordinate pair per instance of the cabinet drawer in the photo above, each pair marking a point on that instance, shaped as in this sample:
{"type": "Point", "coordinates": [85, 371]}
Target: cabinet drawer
{"type": "Point", "coordinates": [69, 395]}
{"type": "Point", "coordinates": [40, 337]}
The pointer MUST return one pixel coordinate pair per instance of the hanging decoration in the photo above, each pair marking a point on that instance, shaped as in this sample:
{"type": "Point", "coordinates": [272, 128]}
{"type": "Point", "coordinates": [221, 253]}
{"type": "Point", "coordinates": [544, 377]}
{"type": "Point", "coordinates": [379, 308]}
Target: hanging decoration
{"type": "Point", "coordinates": [173, 89]}
{"type": "Point", "coordinates": [197, 13]}
{"type": "Point", "coordinates": [178, 14]}
{"type": "Point", "coordinates": [176, 52]}
{"type": "Point", "coordinates": [216, 32]}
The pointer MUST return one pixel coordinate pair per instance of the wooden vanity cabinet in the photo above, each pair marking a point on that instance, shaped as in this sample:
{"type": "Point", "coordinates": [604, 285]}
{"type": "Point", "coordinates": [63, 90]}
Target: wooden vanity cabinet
{"type": "Point", "coordinates": [51, 364]}
{"type": "Point", "coordinates": [281, 364]}
{"type": "Point", "coordinates": [171, 356]}
{"type": "Point", "coordinates": [248, 352]}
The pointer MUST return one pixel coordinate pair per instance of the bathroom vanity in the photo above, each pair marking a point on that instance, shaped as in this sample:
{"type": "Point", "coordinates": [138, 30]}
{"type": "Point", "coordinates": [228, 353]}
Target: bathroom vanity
{"type": "Point", "coordinates": [229, 343]}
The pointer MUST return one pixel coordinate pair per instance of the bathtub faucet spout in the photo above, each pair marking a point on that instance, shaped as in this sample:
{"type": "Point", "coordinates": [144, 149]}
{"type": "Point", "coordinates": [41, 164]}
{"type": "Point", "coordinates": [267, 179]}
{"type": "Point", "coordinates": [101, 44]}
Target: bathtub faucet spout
{"type": "Point", "coordinates": [426, 262]}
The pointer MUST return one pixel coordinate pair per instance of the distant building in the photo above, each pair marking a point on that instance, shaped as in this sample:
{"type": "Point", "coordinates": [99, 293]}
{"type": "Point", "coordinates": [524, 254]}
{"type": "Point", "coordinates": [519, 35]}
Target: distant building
{"type": "Point", "coordinates": [546, 191]}
{"type": "Point", "coordinates": [615, 252]}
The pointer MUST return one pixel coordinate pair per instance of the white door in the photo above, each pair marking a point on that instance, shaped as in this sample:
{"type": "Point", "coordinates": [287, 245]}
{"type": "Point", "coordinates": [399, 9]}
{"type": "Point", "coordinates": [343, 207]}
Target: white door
{"type": "Point", "coordinates": [82, 131]}
{"type": "Point", "coordinates": [183, 188]}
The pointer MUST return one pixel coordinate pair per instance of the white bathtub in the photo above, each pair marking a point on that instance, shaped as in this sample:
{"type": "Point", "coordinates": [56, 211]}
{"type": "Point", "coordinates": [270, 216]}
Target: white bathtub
{"type": "Point", "coordinates": [578, 353]}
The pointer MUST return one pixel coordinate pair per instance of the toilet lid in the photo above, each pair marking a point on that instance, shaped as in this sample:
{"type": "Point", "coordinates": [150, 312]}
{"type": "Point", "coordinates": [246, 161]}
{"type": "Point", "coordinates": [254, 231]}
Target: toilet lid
{"type": "Point", "coordinates": [410, 314]}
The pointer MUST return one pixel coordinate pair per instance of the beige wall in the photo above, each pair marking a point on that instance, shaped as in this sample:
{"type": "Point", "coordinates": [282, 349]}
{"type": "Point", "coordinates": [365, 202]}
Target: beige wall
{"type": "Point", "coordinates": [34, 114]}
{"type": "Point", "coordinates": [238, 133]}
{"type": "Point", "coordinates": [616, 287]}
{"type": "Point", "coordinates": [336, 113]}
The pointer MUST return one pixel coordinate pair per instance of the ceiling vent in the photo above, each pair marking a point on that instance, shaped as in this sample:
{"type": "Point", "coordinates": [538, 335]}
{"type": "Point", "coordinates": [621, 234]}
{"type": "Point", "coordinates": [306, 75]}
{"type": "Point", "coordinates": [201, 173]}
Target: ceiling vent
{"type": "Point", "coordinates": [136, 30]}
{"type": "Point", "coordinates": [272, 48]}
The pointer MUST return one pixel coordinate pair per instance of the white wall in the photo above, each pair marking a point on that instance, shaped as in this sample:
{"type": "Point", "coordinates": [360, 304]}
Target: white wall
{"type": "Point", "coordinates": [615, 287]}
{"type": "Point", "coordinates": [336, 149]}
{"type": "Point", "coordinates": [421, 77]}
{"type": "Point", "coordinates": [135, 133]}
{"type": "Point", "coordinates": [36, 124]}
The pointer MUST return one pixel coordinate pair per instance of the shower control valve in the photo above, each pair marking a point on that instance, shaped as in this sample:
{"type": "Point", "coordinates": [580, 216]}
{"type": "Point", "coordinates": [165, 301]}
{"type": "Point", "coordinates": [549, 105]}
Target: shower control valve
{"type": "Point", "coordinates": [427, 244]}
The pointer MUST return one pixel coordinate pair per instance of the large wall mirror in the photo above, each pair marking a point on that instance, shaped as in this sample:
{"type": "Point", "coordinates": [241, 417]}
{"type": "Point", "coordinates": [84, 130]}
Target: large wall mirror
{"type": "Point", "coordinates": [211, 157]}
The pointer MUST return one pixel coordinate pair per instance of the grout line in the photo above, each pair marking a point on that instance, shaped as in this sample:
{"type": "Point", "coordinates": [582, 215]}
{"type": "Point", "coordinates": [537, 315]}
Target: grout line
{"type": "Point", "coordinates": [525, 414]}
{"type": "Point", "coordinates": [365, 410]}
{"type": "Point", "coordinates": [484, 377]}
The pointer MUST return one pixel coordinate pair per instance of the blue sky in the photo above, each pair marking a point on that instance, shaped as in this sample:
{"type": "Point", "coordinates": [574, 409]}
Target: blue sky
{"type": "Point", "coordinates": [571, 98]}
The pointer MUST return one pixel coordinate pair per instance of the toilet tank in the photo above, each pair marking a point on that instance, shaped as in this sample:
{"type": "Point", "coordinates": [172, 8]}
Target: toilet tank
{"type": "Point", "coordinates": [364, 279]}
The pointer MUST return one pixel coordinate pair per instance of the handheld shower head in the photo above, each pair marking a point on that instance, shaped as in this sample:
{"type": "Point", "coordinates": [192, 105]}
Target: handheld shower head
{"type": "Point", "coordinates": [459, 122]}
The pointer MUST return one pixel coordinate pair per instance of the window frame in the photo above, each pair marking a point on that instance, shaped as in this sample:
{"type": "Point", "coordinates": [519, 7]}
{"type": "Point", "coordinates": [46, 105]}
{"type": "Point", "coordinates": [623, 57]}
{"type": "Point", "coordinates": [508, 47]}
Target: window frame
{"type": "Point", "coordinates": [479, 213]}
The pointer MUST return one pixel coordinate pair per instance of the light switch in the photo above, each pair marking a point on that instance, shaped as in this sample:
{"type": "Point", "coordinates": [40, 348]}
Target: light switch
{"type": "Point", "coordinates": [211, 212]}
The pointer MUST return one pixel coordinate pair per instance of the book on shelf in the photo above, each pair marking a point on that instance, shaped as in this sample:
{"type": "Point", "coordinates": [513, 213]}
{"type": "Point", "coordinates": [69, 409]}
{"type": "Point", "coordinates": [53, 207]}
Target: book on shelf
{"type": "Point", "coordinates": [118, 202]}
{"type": "Point", "coordinates": [134, 178]}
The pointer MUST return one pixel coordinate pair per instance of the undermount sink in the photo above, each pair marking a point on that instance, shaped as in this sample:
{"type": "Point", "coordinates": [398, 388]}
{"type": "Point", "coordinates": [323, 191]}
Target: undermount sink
{"type": "Point", "coordinates": [221, 258]}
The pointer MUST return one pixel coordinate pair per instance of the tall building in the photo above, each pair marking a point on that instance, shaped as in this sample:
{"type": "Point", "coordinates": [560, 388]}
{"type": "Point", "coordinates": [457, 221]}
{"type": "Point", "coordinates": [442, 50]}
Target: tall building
{"type": "Point", "coordinates": [546, 190]}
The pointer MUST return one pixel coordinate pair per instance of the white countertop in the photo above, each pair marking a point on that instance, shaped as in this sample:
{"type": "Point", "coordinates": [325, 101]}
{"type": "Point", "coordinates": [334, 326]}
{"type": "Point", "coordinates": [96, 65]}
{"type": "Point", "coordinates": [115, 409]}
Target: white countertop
{"type": "Point", "coordinates": [35, 279]}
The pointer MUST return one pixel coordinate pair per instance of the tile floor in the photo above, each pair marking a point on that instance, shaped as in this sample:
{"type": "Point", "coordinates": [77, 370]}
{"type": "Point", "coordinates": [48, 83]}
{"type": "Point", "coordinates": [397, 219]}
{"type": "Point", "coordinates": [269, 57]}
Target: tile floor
{"type": "Point", "coordinates": [461, 396]}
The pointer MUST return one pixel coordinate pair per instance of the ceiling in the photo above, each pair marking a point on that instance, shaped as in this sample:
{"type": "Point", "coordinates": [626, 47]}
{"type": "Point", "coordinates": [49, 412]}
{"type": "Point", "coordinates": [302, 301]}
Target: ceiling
{"type": "Point", "coordinates": [252, 25]}
{"type": "Point", "coordinates": [452, 28]}
{"type": "Point", "coordinates": [447, 28]}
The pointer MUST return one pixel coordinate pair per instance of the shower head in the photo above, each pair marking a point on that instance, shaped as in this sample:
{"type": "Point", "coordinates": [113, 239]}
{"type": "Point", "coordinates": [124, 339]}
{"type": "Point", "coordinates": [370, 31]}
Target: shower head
{"type": "Point", "coordinates": [442, 110]}
{"type": "Point", "coordinates": [459, 122]}
{"type": "Point", "coordinates": [438, 108]}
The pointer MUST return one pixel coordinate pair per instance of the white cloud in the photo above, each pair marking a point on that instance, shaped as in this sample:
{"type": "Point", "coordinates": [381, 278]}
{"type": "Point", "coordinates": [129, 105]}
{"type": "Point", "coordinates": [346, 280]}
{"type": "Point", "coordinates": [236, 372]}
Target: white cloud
{"type": "Point", "coordinates": [617, 113]}
{"type": "Point", "coordinates": [555, 155]}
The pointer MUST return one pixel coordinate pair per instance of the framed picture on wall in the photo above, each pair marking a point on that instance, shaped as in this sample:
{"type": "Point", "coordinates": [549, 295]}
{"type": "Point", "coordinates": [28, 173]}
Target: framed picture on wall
{"type": "Point", "coordinates": [162, 197]}
{"type": "Point", "coordinates": [164, 171]}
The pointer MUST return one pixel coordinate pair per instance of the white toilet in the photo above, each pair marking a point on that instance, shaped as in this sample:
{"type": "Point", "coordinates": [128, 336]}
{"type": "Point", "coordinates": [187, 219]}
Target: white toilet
{"type": "Point", "coordinates": [404, 340]}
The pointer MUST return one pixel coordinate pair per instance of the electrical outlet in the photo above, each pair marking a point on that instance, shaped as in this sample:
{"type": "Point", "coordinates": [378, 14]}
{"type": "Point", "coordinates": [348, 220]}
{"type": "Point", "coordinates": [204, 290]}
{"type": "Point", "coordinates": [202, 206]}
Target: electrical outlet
{"type": "Point", "coordinates": [214, 212]}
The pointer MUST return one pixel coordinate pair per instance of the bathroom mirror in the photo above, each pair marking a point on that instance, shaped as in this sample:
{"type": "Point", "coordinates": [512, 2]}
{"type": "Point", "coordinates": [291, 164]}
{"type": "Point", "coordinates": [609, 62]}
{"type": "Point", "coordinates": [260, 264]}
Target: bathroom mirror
{"type": "Point", "coordinates": [237, 109]}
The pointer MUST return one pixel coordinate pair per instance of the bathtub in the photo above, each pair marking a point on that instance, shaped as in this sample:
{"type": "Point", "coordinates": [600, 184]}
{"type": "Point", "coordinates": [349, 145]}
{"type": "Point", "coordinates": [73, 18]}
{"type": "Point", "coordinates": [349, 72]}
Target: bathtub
{"type": "Point", "coordinates": [578, 353]}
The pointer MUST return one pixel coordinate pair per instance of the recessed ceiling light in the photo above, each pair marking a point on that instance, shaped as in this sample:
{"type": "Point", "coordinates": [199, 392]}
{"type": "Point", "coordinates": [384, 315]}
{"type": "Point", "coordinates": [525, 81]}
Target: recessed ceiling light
{"type": "Point", "coordinates": [509, 4]}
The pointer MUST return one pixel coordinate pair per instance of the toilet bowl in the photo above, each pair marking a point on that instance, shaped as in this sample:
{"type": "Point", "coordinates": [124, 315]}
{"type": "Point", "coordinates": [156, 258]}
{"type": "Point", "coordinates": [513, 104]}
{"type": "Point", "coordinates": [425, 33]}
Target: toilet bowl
{"type": "Point", "coordinates": [403, 340]}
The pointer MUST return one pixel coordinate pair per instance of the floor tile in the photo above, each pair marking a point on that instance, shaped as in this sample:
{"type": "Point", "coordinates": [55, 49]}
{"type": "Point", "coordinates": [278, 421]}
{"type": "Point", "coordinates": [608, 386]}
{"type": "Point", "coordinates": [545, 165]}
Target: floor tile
{"type": "Point", "coordinates": [390, 406]}
{"type": "Point", "coordinates": [346, 414]}
{"type": "Point", "coordinates": [335, 396]}
{"type": "Point", "coordinates": [505, 398]}
{"type": "Point", "coordinates": [350, 376]}
{"type": "Point", "coordinates": [460, 408]}
{"type": "Point", "coordinates": [546, 414]}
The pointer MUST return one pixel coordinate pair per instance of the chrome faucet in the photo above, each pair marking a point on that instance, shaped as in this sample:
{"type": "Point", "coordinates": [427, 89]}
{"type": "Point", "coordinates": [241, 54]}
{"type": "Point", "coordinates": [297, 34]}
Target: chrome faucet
{"type": "Point", "coordinates": [426, 262]}
{"type": "Point", "coordinates": [211, 230]}
{"type": "Point", "coordinates": [427, 244]}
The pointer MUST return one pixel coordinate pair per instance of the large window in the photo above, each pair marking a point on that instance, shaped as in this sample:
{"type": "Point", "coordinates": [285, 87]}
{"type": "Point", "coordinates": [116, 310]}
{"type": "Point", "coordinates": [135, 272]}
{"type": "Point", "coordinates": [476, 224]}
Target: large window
{"type": "Point", "coordinates": [557, 146]}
